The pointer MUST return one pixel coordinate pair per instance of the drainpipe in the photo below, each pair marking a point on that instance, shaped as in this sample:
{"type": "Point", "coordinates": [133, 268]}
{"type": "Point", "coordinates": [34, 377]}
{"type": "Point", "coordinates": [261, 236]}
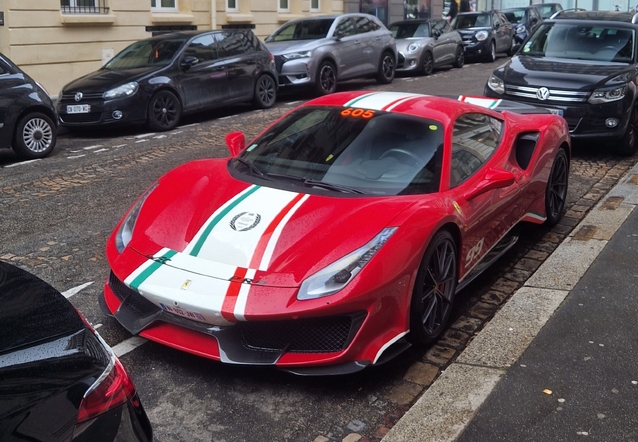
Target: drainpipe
{"type": "Point", "coordinates": [213, 15]}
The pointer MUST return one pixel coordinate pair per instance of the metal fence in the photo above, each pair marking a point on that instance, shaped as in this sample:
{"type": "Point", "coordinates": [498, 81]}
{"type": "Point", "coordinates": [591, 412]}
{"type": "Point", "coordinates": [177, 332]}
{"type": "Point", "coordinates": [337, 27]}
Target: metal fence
{"type": "Point", "coordinates": [84, 6]}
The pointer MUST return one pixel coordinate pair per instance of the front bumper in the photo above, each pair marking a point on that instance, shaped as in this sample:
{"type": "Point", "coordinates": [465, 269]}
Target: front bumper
{"type": "Point", "coordinates": [475, 49]}
{"type": "Point", "coordinates": [298, 72]}
{"type": "Point", "coordinates": [133, 110]}
{"type": "Point", "coordinates": [408, 62]}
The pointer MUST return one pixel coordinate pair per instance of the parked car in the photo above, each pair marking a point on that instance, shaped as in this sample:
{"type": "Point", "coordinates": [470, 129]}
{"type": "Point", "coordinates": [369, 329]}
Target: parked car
{"type": "Point", "coordinates": [581, 65]}
{"type": "Point", "coordinates": [485, 34]}
{"type": "Point", "coordinates": [548, 9]}
{"type": "Point", "coordinates": [340, 234]}
{"type": "Point", "coordinates": [525, 20]}
{"type": "Point", "coordinates": [426, 44]}
{"type": "Point", "coordinates": [28, 121]}
{"type": "Point", "coordinates": [60, 381]}
{"type": "Point", "coordinates": [157, 80]}
{"type": "Point", "coordinates": [319, 52]}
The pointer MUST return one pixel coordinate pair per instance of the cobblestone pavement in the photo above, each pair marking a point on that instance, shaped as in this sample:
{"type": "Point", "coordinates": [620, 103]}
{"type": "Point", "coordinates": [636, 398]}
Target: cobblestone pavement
{"type": "Point", "coordinates": [58, 213]}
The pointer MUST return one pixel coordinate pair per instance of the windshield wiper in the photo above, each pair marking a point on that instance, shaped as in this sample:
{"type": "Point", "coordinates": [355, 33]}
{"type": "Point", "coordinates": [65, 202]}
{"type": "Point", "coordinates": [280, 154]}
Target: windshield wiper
{"type": "Point", "coordinates": [254, 169]}
{"type": "Point", "coordinates": [316, 183]}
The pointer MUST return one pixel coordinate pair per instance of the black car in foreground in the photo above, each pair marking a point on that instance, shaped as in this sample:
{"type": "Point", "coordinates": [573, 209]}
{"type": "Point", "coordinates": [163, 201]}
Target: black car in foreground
{"type": "Point", "coordinates": [581, 65]}
{"type": "Point", "coordinates": [485, 34]}
{"type": "Point", "coordinates": [157, 80]}
{"type": "Point", "coordinates": [59, 381]}
{"type": "Point", "coordinates": [28, 121]}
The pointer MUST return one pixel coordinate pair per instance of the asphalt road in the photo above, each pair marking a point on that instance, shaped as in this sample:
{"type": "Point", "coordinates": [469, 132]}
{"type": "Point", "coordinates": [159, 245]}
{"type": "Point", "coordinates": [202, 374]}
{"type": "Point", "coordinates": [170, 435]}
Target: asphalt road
{"type": "Point", "coordinates": [56, 215]}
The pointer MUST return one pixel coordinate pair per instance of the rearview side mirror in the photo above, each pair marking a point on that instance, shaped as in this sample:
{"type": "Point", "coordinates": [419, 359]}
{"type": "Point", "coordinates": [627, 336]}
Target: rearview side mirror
{"type": "Point", "coordinates": [436, 33]}
{"type": "Point", "coordinates": [236, 142]}
{"type": "Point", "coordinates": [493, 179]}
{"type": "Point", "coordinates": [188, 62]}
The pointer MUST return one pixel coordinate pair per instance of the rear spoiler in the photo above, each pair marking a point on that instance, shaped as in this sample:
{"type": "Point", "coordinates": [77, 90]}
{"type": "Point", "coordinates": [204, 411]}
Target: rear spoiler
{"type": "Point", "coordinates": [503, 105]}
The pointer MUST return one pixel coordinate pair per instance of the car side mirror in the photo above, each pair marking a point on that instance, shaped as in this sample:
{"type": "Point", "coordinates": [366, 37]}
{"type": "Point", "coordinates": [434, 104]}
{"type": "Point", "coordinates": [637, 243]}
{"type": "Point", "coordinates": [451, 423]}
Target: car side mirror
{"type": "Point", "coordinates": [188, 62]}
{"type": "Point", "coordinates": [492, 179]}
{"type": "Point", "coordinates": [533, 21]}
{"type": "Point", "coordinates": [436, 33]}
{"type": "Point", "coordinates": [338, 35]}
{"type": "Point", "coordinates": [236, 142]}
{"type": "Point", "coordinates": [497, 25]}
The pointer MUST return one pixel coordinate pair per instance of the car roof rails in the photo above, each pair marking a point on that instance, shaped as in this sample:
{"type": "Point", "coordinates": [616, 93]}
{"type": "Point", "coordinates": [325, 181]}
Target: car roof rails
{"type": "Point", "coordinates": [556, 14]}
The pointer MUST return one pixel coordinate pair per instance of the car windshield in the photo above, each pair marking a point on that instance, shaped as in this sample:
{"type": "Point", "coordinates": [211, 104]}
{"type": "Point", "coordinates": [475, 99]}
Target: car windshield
{"type": "Point", "coordinates": [515, 17]}
{"type": "Point", "coordinates": [409, 30]}
{"type": "Point", "coordinates": [350, 150]}
{"type": "Point", "coordinates": [547, 11]}
{"type": "Point", "coordinates": [466, 21]}
{"type": "Point", "coordinates": [604, 42]}
{"type": "Point", "coordinates": [303, 30]}
{"type": "Point", "coordinates": [146, 53]}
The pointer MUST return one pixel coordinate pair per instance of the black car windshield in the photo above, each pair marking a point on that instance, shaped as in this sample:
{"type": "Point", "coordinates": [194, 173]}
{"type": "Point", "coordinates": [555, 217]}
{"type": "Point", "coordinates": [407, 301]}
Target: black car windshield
{"type": "Point", "coordinates": [350, 150]}
{"type": "Point", "coordinates": [579, 41]}
{"type": "Point", "coordinates": [303, 30]}
{"type": "Point", "coordinates": [146, 53]}
{"type": "Point", "coordinates": [409, 30]}
{"type": "Point", "coordinates": [547, 11]}
{"type": "Point", "coordinates": [466, 21]}
{"type": "Point", "coordinates": [515, 17]}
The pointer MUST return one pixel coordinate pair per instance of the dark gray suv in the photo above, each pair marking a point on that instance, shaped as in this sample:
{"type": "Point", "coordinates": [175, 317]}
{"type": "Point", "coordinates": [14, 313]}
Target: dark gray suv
{"type": "Point", "coordinates": [321, 51]}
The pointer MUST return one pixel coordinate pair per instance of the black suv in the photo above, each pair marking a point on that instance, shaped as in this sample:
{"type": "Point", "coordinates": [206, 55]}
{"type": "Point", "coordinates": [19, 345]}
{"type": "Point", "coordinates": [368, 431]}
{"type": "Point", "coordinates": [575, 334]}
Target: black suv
{"type": "Point", "coordinates": [27, 115]}
{"type": "Point", "coordinates": [581, 65]}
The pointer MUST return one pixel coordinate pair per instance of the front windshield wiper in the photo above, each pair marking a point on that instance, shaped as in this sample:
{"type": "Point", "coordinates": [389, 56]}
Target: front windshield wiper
{"type": "Point", "coordinates": [309, 182]}
{"type": "Point", "coordinates": [253, 169]}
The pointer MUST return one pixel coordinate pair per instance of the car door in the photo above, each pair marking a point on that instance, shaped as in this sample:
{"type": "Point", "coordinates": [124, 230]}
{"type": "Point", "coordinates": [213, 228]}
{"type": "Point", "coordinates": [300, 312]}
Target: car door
{"type": "Point", "coordinates": [8, 83]}
{"type": "Point", "coordinates": [238, 57]}
{"type": "Point", "coordinates": [445, 44]}
{"type": "Point", "coordinates": [347, 48]}
{"type": "Point", "coordinates": [374, 39]}
{"type": "Point", "coordinates": [505, 33]}
{"type": "Point", "coordinates": [205, 82]}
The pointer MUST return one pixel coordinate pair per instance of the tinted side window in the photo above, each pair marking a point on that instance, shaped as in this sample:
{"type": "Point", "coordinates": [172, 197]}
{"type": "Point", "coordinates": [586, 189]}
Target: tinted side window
{"type": "Point", "coordinates": [446, 27]}
{"type": "Point", "coordinates": [3, 70]}
{"type": "Point", "coordinates": [374, 25]}
{"type": "Point", "coordinates": [345, 27]}
{"type": "Point", "coordinates": [437, 25]}
{"type": "Point", "coordinates": [203, 48]}
{"type": "Point", "coordinates": [363, 25]}
{"type": "Point", "coordinates": [474, 140]}
{"type": "Point", "coordinates": [232, 44]}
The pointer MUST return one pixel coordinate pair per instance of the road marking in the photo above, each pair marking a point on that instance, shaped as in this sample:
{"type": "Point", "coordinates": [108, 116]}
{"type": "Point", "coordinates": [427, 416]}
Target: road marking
{"type": "Point", "coordinates": [141, 136]}
{"type": "Point", "coordinates": [159, 137]}
{"type": "Point", "coordinates": [92, 147]}
{"type": "Point", "coordinates": [96, 326]}
{"type": "Point", "coordinates": [101, 150]}
{"type": "Point", "coordinates": [128, 345]}
{"type": "Point", "coordinates": [76, 290]}
{"type": "Point", "coordinates": [141, 141]}
{"type": "Point", "coordinates": [119, 145]}
{"type": "Point", "coordinates": [191, 125]}
{"type": "Point", "coordinates": [230, 116]}
{"type": "Point", "coordinates": [21, 163]}
{"type": "Point", "coordinates": [292, 103]}
{"type": "Point", "coordinates": [76, 156]}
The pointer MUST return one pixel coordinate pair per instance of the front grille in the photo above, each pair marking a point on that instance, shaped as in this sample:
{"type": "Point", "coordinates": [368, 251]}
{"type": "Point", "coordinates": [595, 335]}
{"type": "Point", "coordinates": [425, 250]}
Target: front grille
{"type": "Point", "coordinates": [555, 95]}
{"type": "Point", "coordinates": [120, 290]}
{"type": "Point", "coordinates": [279, 62]}
{"type": "Point", "coordinates": [401, 60]}
{"type": "Point", "coordinates": [316, 335]}
{"type": "Point", "coordinates": [132, 299]}
{"type": "Point", "coordinates": [70, 97]}
{"type": "Point", "coordinates": [92, 117]}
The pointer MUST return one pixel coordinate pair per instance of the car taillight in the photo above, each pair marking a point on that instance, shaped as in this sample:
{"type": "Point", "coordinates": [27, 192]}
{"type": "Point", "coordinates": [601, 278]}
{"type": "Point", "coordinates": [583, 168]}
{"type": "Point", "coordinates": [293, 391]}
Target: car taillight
{"type": "Point", "coordinates": [112, 389]}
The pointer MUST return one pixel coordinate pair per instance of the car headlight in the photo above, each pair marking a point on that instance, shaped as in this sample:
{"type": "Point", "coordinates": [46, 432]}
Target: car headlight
{"type": "Point", "coordinates": [496, 84]}
{"type": "Point", "coordinates": [296, 55]}
{"type": "Point", "coordinates": [125, 232]}
{"type": "Point", "coordinates": [126, 90]}
{"type": "Point", "coordinates": [481, 35]}
{"type": "Point", "coordinates": [607, 95]}
{"type": "Point", "coordinates": [338, 274]}
{"type": "Point", "coordinates": [413, 47]}
{"type": "Point", "coordinates": [520, 29]}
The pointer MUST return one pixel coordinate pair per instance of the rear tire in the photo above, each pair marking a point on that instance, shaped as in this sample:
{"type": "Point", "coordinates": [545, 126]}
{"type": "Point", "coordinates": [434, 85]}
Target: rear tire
{"type": "Point", "coordinates": [164, 111]}
{"type": "Point", "coordinates": [460, 58]}
{"type": "Point", "coordinates": [35, 136]}
{"type": "Point", "coordinates": [434, 290]}
{"type": "Point", "coordinates": [627, 145]}
{"type": "Point", "coordinates": [387, 67]}
{"type": "Point", "coordinates": [265, 92]}
{"type": "Point", "coordinates": [556, 190]}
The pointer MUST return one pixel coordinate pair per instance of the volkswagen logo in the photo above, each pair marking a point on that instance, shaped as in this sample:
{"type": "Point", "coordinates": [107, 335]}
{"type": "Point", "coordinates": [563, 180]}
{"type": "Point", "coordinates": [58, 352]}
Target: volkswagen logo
{"type": "Point", "coordinates": [78, 96]}
{"type": "Point", "coordinates": [245, 221]}
{"type": "Point", "coordinates": [542, 93]}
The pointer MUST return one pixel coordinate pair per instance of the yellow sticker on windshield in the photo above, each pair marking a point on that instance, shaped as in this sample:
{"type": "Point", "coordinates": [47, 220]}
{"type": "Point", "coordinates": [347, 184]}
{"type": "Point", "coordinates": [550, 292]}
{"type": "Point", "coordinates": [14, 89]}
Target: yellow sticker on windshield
{"type": "Point", "coordinates": [433, 127]}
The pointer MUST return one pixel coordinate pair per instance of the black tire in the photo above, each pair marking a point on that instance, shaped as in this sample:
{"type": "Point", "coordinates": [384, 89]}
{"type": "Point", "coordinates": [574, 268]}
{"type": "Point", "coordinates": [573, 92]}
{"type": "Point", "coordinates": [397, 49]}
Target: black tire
{"type": "Point", "coordinates": [556, 190]}
{"type": "Point", "coordinates": [164, 111]}
{"type": "Point", "coordinates": [427, 63]}
{"type": "Point", "coordinates": [35, 136]}
{"type": "Point", "coordinates": [628, 144]}
{"type": "Point", "coordinates": [265, 92]}
{"type": "Point", "coordinates": [459, 61]}
{"type": "Point", "coordinates": [326, 78]}
{"type": "Point", "coordinates": [434, 290]}
{"type": "Point", "coordinates": [491, 54]}
{"type": "Point", "coordinates": [513, 47]}
{"type": "Point", "coordinates": [387, 68]}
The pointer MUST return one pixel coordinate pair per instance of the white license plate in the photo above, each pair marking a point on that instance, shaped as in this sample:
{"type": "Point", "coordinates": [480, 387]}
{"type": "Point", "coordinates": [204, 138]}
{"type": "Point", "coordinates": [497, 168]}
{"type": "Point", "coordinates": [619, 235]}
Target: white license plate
{"type": "Point", "coordinates": [558, 112]}
{"type": "Point", "coordinates": [181, 312]}
{"type": "Point", "coordinates": [78, 109]}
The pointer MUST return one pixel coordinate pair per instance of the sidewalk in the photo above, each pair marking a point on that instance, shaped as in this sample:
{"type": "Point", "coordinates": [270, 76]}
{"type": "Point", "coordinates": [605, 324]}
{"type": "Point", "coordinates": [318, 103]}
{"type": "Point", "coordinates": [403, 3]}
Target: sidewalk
{"type": "Point", "coordinates": [559, 362]}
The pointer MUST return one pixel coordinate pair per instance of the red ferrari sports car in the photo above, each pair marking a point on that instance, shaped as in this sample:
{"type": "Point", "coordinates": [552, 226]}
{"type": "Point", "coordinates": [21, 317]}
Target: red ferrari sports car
{"type": "Point", "coordinates": [340, 235]}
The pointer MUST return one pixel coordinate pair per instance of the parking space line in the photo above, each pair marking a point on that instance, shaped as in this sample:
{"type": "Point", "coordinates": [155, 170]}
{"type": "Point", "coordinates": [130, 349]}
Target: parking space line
{"type": "Point", "coordinates": [92, 147]}
{"type": "Point", "coordinates": [19, 164]}
{"type": "Point", "coordinates": [76, 290]}
{"type": "Point", "coordinates": [128, 345]}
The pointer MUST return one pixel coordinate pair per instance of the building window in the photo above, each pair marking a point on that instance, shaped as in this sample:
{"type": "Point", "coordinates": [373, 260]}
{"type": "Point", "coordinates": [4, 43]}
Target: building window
{"type": "Point", "coordinates": [163, 5]}
{"type": "Point", "coordinates": [231, 6]}
{"type": "Point", "coordinates": [84, 6]}
{"type": "Point", "coordinates": [315, 6]}
{"type": "Point", "coordinates": [283, 6]}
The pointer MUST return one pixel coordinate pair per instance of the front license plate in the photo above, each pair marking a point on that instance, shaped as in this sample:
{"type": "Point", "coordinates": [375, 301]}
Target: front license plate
{"type": "Point", "coordinates": [181, 312]}
{"type": "Point", "coordinates": [78, 109]}
{"type": "Point", "coordinates": [558, 112]}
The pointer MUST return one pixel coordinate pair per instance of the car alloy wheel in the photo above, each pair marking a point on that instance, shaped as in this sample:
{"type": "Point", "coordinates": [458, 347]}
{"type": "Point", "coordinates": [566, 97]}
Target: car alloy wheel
{"type": "Point", "coordinates": [326, 79]}
{"type": "Point", "coordinates": [628, 145]}
{"type": "Point", "coordinates": [556, 191]}
{"type": "Point", "coordinates": [491, 55]}
{"type": "Point", "coordinates": [35, 136]}
{"type": "Point", "coordinates": [164, 111]}
{"type": "Point", "coordinates": [386, 69]}
{"type": "Point", "coordinates": [434, 290]}
{"type": "Point", "coordinates": [460, 57]}
{"type": "Point", "coordinates": [265, 92]}
{"type": "Point", "coordinates": [427, 65]}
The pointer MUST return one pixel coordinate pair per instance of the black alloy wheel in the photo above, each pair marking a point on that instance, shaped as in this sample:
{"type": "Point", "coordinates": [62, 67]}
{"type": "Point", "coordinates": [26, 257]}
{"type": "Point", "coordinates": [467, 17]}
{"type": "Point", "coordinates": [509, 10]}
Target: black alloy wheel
{"type": "Point", "coordinates": [164, 111]}
{"type": "Point", "coordinates": [434, 290]}
{"type": "Point", "coordinates": [265, 92]}
{"type": "Point", "coordinates": [427, 64]}
{"type": "Point", "coordinates": [491, 54]}
{"type": "Point", "coordinates": [459, 61]}
{"type": "Point", "coordinates": [512, 48]}
{"type": "Point", "coordinates": [556, 190]}
{"type": "Point", "coordinates": [627, 146]}
{"type": "Point", "coordinates": [326, 79]}
{"type": "Point", "coordinates": [35, 136]}
{"type": "Point", "coordinates": [386, 68]}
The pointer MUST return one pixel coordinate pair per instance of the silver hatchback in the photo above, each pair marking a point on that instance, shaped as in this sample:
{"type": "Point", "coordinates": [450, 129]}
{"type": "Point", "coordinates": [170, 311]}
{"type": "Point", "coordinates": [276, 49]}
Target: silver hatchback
{"type": "Point", "coordinates": [321, 51]}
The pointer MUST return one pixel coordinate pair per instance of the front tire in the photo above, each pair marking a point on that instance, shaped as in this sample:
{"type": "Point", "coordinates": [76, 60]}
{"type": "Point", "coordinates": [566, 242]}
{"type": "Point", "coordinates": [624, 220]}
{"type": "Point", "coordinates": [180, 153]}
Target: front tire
{"type": "Point", "coordinates": [556, 190]}
{"type": "Point", "coordinates": [434, 290]}
{"type": "Point", "coordinates": [628, 144]}
{"type": "Point", "coordinates": [427, 65]}
{"type": "Point", "coordinates": [491, 54]}
{"type": "Point", "coordinates": [265, 92]}
{"type": "Point", "coordinates": [164, 111]}
{"type": "Point", "coordinates": [326, 79]}
{"type": "Point", "coordinates": [512, 48]}
{"type": "Point", "coordinates": [460, 58]}
{"type": "Point", "coordinates": [35, 136]}
{"type": "Point", "coordinates": [387, 67]}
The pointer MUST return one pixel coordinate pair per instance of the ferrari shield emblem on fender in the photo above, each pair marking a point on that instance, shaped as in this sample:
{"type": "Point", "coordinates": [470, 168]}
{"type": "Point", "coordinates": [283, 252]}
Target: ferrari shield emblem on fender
{"type": "Point", "coordinates": [458, 208]}
{"type": "Point", "coordinates": [186, 284]}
